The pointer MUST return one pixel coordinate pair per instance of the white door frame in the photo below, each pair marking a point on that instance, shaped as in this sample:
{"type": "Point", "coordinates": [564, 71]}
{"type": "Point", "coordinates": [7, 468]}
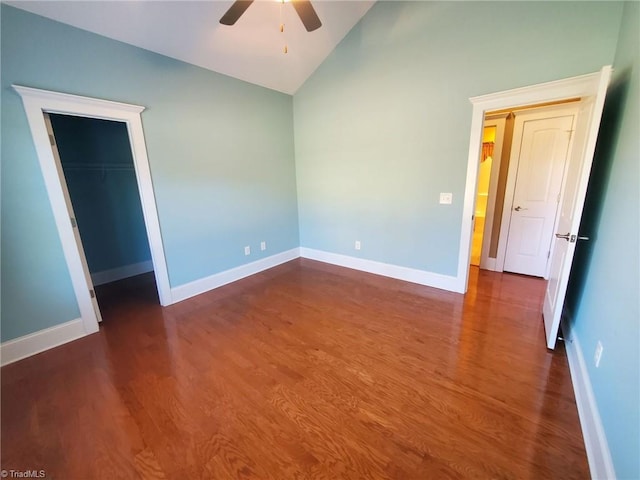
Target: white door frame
{"type": "Point", "coordinates": [36, 102]}
{"type": "Point", "coordinates": [581, 86]}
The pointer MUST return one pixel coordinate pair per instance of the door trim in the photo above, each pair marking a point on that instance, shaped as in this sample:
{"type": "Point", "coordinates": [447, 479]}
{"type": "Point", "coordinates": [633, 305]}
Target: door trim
{"type": "Point", "coordinates": [36, 102]}
{"type": "Point", "coordinates": [580, 86]}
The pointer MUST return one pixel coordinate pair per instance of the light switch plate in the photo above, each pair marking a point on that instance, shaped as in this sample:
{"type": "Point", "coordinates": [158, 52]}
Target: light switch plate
{"type": "Point", "coordinates": [446, 198]}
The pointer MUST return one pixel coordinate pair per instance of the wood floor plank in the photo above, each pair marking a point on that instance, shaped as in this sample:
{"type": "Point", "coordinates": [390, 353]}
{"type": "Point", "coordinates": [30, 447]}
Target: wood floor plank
{"type": "Point", "coordinates": [305, 371]}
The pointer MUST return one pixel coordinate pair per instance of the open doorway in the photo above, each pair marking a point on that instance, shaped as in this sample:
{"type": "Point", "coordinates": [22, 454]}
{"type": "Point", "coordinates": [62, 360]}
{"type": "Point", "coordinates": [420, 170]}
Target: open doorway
{"type": "Point", "coordinates": [482, 195]}
{"type": "Point", "coordinates": [491, 170]}
{"type": "Point", "coordinates": [104, 202]}
{"type": "Point", "coordinates": [519, 184]}
{"type": "Point", "coordinates": [591, 90]}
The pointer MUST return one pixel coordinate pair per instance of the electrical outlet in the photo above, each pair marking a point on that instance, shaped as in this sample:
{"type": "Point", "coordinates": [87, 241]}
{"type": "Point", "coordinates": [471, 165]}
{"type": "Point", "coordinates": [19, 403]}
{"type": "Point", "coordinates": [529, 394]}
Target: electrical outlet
{"type": "Point", "coordinates": [247, 250]}
{"type": "Point", "coordinates": [598, 355]}
{"type": "Point", "coordinates": [357, 245]}
{"type": "Point", "coordinates": [446, 198]}
{"type": "Point", "coordinates": [263, 246]}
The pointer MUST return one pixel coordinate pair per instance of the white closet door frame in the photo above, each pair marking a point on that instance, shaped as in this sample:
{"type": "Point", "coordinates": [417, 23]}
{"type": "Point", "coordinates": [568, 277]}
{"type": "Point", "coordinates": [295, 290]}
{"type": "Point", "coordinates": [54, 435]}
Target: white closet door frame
{"type": "Point", "coordinates": [37, 102]}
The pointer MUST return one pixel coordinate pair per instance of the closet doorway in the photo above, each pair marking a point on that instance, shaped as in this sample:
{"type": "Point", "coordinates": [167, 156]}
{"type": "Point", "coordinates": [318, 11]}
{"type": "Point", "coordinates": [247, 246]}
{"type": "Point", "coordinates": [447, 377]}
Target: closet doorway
{"type": "Point", "coordinates": [38, 102]}
{"type": "Point", "coordinates": [98, 178]}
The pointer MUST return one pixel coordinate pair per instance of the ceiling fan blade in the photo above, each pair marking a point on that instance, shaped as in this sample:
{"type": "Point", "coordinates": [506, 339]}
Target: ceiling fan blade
{"type": "Point", "coordinates": [307, 14]}
{"type": "Point", "coordinates": [235, 12]}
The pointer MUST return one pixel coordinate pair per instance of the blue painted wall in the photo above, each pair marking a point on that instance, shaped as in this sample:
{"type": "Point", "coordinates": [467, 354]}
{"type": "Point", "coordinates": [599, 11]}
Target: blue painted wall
{"type": "Point", "coordinates": [382, 127]}
{"type": "Point", "coordinates": [98, 167]}
{"type": "Point", "coordinates": [220, 150]}
{"type": "Point", "coordinates": [605, 280]}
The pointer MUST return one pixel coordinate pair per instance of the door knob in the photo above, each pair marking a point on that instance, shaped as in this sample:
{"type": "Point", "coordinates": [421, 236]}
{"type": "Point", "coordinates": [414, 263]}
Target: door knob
{"type": "Point", "coordinates": [518, 208]}
{"type": "Point", "coordinates": [571, 238]}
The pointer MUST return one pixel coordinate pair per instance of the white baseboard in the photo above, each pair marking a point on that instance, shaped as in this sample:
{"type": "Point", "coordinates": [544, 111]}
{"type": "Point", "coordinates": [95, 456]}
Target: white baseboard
{"type": "Point", "coordinates": [22, 347]}
{"type": "Point", "coordinates": [202, 285]}
{"type": "Point", "coordinates": [421, 277]}
{"type": "Point", "coordinates": [115, 274]}
{"type": "Point", "coordinates": [37, 342]}
{"type": "Point", "coordinates": [595, 440]}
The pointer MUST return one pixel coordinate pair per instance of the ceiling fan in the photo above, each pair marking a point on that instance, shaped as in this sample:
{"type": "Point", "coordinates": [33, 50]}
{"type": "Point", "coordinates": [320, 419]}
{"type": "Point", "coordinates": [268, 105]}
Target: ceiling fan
{"type": "Point", "coordinates": [305, 11]}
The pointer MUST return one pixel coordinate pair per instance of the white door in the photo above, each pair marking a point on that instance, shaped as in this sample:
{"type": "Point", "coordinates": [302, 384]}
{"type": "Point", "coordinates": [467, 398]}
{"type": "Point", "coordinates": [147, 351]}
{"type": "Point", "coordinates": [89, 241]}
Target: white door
{"type": "Point", "coordinates": [541, 145]}
{"type": "Point", "coordinates": [72, 217]}
{"type": "Point", "coordinates": [571, 204]}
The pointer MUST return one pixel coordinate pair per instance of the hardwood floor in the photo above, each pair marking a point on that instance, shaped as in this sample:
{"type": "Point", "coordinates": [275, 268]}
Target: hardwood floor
{"type": "Point", "coordinates": [303, 371]}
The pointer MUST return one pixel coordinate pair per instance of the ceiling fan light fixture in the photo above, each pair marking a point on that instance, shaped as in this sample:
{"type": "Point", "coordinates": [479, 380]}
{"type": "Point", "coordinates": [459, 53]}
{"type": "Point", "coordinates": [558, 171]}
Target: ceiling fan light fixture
{"type": "Point", "coordinates": [303, 8]}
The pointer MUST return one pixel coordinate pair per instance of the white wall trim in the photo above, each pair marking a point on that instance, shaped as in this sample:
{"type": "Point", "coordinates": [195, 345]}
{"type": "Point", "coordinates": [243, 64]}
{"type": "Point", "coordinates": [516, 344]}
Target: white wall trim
{"type": "Point", "coordinates": [42, 340]}
{"type": "Point", "coordinates": [574, 87]}
{"type": "Point", "coordinates": [203, 285]}
{"type": "Point", "coordinates": [595, 440]}
{"type": "Point", "coordinates": [421, 277]}
{"type": "Point", "coordinates": [126, 271]}
{"type": "Point", "coordinates": [28, 345]}
{"type": "Point", "coordinates": [36, 102]}
{"type": "Point", "coordinates": [47, 95]}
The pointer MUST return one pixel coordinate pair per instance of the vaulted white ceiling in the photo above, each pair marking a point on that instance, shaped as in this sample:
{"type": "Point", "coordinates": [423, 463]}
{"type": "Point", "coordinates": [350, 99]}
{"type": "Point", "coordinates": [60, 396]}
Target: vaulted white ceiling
{"type": "Point", "coordinates": [250, 50]}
